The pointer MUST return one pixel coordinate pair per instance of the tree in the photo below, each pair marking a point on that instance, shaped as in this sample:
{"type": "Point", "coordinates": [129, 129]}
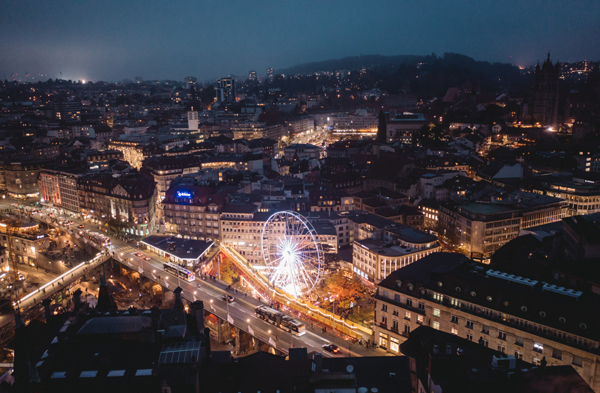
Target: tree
{"type": "Point", "coordinates": [382, 128]}
{"type": "Point", "coordinates": [345, 287]}
{"type": "Point", "coordinates": [435, 136]}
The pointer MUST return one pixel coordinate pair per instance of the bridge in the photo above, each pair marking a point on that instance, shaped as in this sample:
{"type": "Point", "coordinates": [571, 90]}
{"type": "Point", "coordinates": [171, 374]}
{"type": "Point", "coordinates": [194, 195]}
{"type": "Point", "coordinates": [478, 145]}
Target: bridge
{"type": "Point", "coordinates": [239, 314]}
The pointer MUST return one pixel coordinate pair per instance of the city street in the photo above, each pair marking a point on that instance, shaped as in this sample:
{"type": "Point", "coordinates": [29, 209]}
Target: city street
{"type": "Point", "coordinates": [211, 293]}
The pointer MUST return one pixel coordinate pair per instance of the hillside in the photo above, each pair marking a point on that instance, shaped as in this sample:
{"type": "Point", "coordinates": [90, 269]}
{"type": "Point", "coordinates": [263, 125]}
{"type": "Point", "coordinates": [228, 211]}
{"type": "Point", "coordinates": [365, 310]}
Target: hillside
{"type": "Point", "coordinates": [352, 63]}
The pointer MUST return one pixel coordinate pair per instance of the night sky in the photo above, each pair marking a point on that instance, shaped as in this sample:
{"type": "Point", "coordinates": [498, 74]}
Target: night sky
{"type": "Point", "coordinates": [112, 40]}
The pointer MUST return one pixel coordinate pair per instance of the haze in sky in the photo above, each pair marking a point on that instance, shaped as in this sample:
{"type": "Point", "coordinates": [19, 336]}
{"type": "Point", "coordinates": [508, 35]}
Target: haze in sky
{"type": "Point", "coordinates": [111, 40]}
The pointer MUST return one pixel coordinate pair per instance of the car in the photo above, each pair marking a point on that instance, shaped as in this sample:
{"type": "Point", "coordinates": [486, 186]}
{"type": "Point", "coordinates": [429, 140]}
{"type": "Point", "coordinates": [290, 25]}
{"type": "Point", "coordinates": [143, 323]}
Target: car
{"type": "Point", "coordinates": [138, 254]}
{"type": "Point", "coordinates": [81, 226]}
{"type": "Point", "coordinates": [331, 348]}
{"type": "Point", "coordinates": [229, 298]}
{"type": "Point", "coordinates": [146, 258]}
{"type": "Point", "coordinates": [21, 277]}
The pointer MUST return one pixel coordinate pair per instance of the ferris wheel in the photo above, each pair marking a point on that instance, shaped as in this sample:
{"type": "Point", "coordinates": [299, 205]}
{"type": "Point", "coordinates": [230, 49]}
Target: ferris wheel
{"type": "Point", "coordinates": [292, 253]}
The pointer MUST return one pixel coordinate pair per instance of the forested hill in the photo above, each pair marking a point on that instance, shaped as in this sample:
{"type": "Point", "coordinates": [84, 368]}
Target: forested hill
{"type": "Point", "coordinates": [425, 76]}
{"type": "Point", "coordinates": [352, 63]}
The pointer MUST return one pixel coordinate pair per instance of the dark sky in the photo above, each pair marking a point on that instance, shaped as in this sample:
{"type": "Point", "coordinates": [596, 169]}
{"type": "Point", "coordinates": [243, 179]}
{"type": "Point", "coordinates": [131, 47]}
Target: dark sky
{"type": "Point", "coordinates": [171, 39]}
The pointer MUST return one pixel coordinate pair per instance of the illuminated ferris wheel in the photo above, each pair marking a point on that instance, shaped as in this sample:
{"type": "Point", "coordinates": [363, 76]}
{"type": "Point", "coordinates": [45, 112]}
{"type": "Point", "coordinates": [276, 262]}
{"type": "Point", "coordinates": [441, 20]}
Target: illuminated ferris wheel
{"type": "Point", "coordinates": [292, 253]}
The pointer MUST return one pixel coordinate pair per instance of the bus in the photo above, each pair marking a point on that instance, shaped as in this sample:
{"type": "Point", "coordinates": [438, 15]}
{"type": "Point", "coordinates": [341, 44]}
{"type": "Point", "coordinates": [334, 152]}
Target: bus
{"type": "Point", "coordinates": [179, 271]}
{"type": "Point", "coordinates": [280, 320]}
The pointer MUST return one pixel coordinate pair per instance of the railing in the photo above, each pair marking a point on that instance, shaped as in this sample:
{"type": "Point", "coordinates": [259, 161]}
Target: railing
{"type": "Point", "coordinates": [327, 318]}
{"type": "Point", "coordinates": [63, 280]}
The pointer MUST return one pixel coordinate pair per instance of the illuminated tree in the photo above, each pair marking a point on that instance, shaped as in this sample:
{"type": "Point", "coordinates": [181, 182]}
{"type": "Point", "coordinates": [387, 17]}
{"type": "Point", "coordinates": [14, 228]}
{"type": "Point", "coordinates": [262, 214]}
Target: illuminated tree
{"type": "Point", "coordinates": [345, 286]}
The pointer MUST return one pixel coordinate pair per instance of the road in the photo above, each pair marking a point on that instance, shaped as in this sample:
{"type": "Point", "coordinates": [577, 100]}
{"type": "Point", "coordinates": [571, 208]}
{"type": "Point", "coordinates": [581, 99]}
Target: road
{"type": "Point", "coordinates": [211, 292]}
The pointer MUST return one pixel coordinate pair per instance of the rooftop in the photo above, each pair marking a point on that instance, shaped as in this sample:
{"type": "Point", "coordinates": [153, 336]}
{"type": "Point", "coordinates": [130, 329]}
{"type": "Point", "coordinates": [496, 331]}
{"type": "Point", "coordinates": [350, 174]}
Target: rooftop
{"type": "Point", "coordinates": [180, 248]}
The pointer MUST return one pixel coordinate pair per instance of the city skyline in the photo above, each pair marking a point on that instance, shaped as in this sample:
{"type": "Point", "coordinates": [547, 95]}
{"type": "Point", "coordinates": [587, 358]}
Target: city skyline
{"type": "Point", "coordinates": [111, 41]}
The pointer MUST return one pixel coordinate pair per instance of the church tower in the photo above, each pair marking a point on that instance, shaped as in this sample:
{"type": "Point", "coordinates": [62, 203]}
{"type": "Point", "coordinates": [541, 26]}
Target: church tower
{"type": "Point", "coordinates": [545, 93]}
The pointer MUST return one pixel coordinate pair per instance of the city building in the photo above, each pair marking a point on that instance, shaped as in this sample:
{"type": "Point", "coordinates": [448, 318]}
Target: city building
{"type": "Point", "coordinates": [535, 321]}
{"type": "Point", "coordinates": [330, 199]}
{"type": "Point", "coordinates": [581, 236]}
{"type": "Point", "coordinates": [66, 111]}
{"type": "Point", "coordinates": [374, 260]}
{"type": "Point", "coordinates": [165, 169]}
{"type": "Point", "coordinates": [362, 123]}
{"type": "Point", "coordinates": [226, 90]}
{"type": "Point", "coordinates": [190, 81]}
{"type": "Point", "coordinates": [252, 76]}
{"type": "Point", "coordinates": [129, 199]}
{"type": "Point", "coordinates": [23, 240]}
{"type": "Point", "coordinates": [482, 228]}
{"type": "Point", "coordinates": [403, 127]}
{"type": "Point", "coordinates": [21, 179]}
{"type": "Point", "coordinates": [183, 252]}
{"type": "Point", "coordinates": [299, 126]}
{"type": "Point", "coordinates": [583, 197]}
{"type": "Point", "coordinates": [443, 362]}
{"type": "Point", "coordinates": [301, 151]}
{"type": "Point", "coordinates": [270, 74]}
{"type": "Point", "coordinates": [58, 186]}
{"type": "Point", "coordinates": [256, 130]}
{"type": "Point", "coordinates": [192, 211]}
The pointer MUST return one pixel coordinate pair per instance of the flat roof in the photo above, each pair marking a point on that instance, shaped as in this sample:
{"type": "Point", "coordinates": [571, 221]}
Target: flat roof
{"type": "Point", "coordinates": [486, 208]}
{"type": "Point", "coordinates": [380, 248]}
{"type": "Point", "coordinates": [178, 247]}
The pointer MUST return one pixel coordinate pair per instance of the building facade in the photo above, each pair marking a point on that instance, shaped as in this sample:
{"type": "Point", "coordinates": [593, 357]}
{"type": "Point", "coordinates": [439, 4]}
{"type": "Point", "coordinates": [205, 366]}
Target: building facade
{"type": "Point", "coordinates": [59, 187]}
{"type": "Point", "coordinates": [192, 211]}
{"type": "Point", "coordinates": [129, 199]}
{"type": "Point", "coordinates": [536, 321]}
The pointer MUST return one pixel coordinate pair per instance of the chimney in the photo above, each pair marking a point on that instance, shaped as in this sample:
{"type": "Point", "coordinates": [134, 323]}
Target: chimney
{"type": "Point", "coordinates": [77, 299]}
{"type": "Point", "coordinates": [197, 311]}
{"type": "Point", "coordinates": [207, 341]}
{"type": "Point", "coordinates": [47, 313]}
{"type": "Point", "coordinates": [318, 359]}
{"type": "Point", "coordinates": [178, 302]}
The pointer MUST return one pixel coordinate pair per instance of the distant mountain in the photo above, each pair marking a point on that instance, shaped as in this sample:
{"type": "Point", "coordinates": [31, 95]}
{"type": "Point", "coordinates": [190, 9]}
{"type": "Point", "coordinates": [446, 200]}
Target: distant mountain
{"type": "Point", "coordinates": [351, 63]}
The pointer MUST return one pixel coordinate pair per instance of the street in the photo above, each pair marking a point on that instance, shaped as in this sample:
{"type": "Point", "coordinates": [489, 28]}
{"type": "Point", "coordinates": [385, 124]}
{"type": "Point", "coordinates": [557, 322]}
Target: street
{"type": "Point", "coordinates": [211, 292]}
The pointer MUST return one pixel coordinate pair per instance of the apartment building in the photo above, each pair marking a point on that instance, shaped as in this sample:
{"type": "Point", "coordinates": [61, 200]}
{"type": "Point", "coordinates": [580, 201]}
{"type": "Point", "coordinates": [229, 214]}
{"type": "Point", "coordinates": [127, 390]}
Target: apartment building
{"type": "Point", "coordinates": [535, 321]}
{"type": "Point", "coordinates": [129, 198]}
{"type": "Point", "coordinates": [21, 179]}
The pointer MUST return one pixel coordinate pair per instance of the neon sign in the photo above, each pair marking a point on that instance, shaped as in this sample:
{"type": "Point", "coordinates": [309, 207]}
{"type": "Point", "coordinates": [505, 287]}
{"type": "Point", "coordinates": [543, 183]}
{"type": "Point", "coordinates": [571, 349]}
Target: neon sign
{"type": "Point", "coordinates": [183, 194]}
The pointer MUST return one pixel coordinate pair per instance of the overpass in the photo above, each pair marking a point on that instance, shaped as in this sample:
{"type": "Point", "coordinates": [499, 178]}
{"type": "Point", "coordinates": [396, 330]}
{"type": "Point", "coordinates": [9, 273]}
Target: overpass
{"type": "Point", "coordinates": [239, 314]}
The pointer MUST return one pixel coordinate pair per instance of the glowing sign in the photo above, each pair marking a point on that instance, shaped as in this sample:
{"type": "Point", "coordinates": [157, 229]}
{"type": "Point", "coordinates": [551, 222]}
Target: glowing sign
{"type": "Point", "coordinates": [183, 194]}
